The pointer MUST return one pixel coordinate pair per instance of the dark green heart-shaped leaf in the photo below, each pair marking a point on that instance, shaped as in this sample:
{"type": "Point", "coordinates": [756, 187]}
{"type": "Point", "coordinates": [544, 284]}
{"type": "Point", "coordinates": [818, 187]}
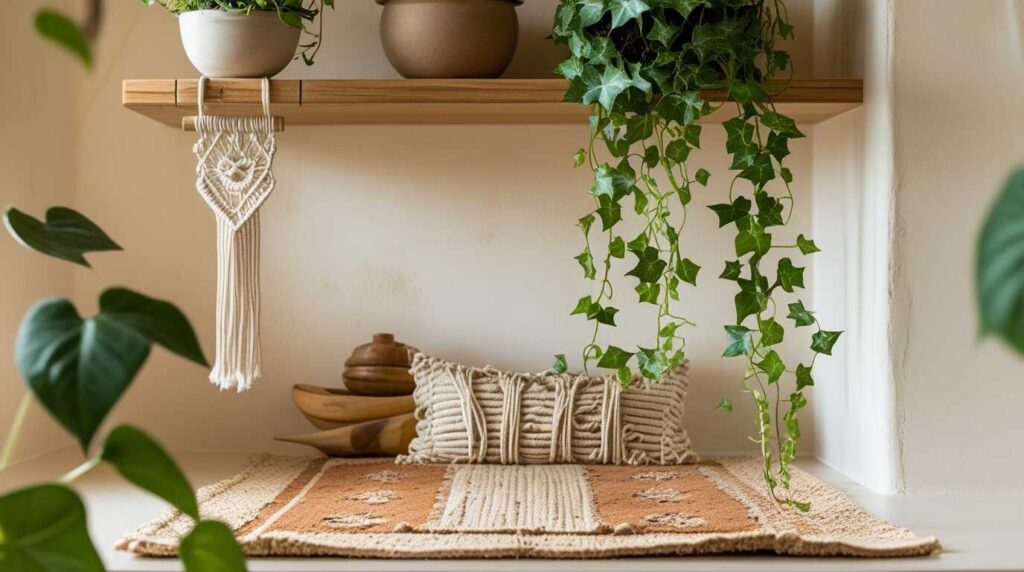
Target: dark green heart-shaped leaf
{"type": "Point", "coordinates": [142, 461]}
{"type": "Point", "coordinates": [43, 528]}
{"type": "Point", "coordinates": [78, 368]}
{"type": "Point", "coordinates": [617, 248]}
{"type": "Point", "coordinates": [748, 304]}
{"type": "Point", "coordinates": [999, 265]}
{"type": "Point", "coordinates": [211, 547]}
{"type": "Point", "coordinates": [66, 234]}
{"type": "Point", "coordinates": [822, 342]}
{"type": "Point", "coordinates": [60, 30]}
{"type": "Point", "coordinates": [702, 176]}
{"type": "Point", "coordinates": [687, 271]}
{"type": "Point", "coordinates": [609, 211]}
{"type": "Point", "coordinates": [614, 358]}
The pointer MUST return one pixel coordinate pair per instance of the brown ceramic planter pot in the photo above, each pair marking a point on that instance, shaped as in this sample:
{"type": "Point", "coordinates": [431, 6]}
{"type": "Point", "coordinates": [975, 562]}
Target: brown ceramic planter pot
{"type": "Point", "coordinates": [449, 38]}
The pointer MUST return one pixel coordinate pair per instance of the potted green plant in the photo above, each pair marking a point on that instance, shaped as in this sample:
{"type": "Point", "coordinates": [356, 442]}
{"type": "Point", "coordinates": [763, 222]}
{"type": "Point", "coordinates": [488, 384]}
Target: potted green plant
{"type": "Point", "coordinates": [247, 38]}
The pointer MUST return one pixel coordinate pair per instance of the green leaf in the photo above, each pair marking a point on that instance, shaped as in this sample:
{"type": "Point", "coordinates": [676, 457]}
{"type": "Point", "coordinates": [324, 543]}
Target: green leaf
{"type": "Point", "coordinates": [591, 11]}
{"type": "Point", "coordinates": [560, 365]}
{"type": "Point", "coordinates": [614, 358]}
{"type": "Point", "coordinates": [602, 181]}
{"type": "Point", "coordinates": [579, 158]}
{"type": "Point", "coordinates": [625, 10]}
{"type": "Point", "coordinates": [583, 306]}
{"type": "Point", "coordinates": [687, 271]}
{"type": "Point", "coordinates": [786, 175]}
{"type": "Point", "coordinates": [769, 210]}
{"type": "Point", "coordinates": [78, 368]}
{"type": "Point", "coordinates": [772, 332]}
{"type": "Point", "coordinates": [760, 170]}
{"type": "Point", "coordinates": [806, 245]}
{"type": "Point", "coordinates": [586, 261]}
{"type": "Point", "coordinates": [624, 375]}
{"type": "Point", "coordinates": [822, 342]}
{"type": "Point", "coordinates": [772, 366]}
{"type": "Point", "coordinates": [683, 109]}
{"type": "Point", "coordinates": [43, 528]}
{"type": "Point", "coordinates": [653, 362]}
{"type": "Point", "coordinates": [724, 404]}
{"type": "Point", "coordinates": [748, 304]}
{"type": "Point", "coordinates": [803, 377]}
{"type": "Point", "coordinates": [662, 32]}
{"type": "Point", "coordinates": [668, 330]}
{"type": "Point", "coordinates": [649, 267]}
{"type": "Point", "coordinates": [753, 240]}
{"type": "Point", "coordinates": [677, 151]}
{"type": "Point", "coordinates": [142, 462]}
{"type": "Point", "coordinates": [638, 245]}
{"type": "Point", "coordinates": [777, 146]}
{"type": "Point", "coordinates": [66, 234]}
{"type": "Point", "coordinates": [602, 314]}
{"type": "Point", "coordinates": [585, 223]}
{"type": "Point", "coordinates": [606, 87]}
{"type": "Point", "coordinates": [648, 292]}
{"type": "Point", "coordinates": [999, 265]}
{"type": "Point", "coordinates": [609, 211]}
{"type": "Point", "coordinates": [617, 247]}
{"type": "Point", "coordinates": [781, 124]}
{"type": "Point", "coordinates": [790, 276]}
{"type": "Point", "coordinates": [732, 270]}
{"type": "Point", "coordinates": [740, 341]}
{"type": "Point", "coordinates": [211, 547]}
{"type": "Point", "coordinates": [651, 156]}
{"type": "Point", "coordinates": [60, 30]}
{"type": "Point", "coordinates": [702, 176]}
{"type": "Point", "coordinates": [728, 213]}
{"type": "Point", "coordinates": [160, 322]}
{"type": "Point", "coordinates": [800, 315]}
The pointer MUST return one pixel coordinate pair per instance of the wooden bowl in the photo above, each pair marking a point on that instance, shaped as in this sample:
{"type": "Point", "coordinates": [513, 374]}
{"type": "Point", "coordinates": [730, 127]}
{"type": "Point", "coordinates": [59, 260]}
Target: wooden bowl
{"type": "Point", "coordinates": [390, 436]}
{"type": "Point", "coordinates": [340, 406]}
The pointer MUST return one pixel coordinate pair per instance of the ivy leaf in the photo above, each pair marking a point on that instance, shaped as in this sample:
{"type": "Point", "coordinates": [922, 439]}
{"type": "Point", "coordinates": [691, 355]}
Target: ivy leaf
{"type": "Point", "coordinates": [582, 306]}
{"type": "Point", "coordinates": [579, 158]}
{"type": "Point", "coordinates": [803, 377]}
{"type": "Point", "coordinates": [772, 366]}
{"type": "Point", "coordinates": [786, 175]}
{"type": "Point", "coordinates": [211, 547]}
{"type": "Point", "coordinates": [822, 342]}
{"type": "Point", "coordinates": [585, 223]}
{"type": "Point", "coordinates": [624, 375]}
{"type": "Point", "coordinates": [606, 87]}
{"type": "Point", "coordinates": [144, 463]}
{"type": "Point", "coordinates": [602, 314]}
{"type": "Point", "coordinates": [638, 245]}
{"type": "Point", "coordinates": [760, 170]}
{"type": "Point", "coordinates": [617, 248]}
{"type": "Point", "coordinates": [60, 30]}
{"type": "Point", "coordinates": [614, 358]}
{"type": "Point", "coordinates": [591, 11]}
{"type": "Point", "coordinates": [587, 264]}
{"type": "Point", "coordinates": [769, 210]}
{"type": "Point", "coordinates": [640, 201]}
{"type": "Point", "coordinates": [780, 124]}
{"type": "Point", "coordinates": [789, 276]}
{"type": "Point", "coordinates": [626, 10]}
{"type": "Point", "coordinates": [648, 292]}
{"type": "Point", "coordinates": [753, 240]}
{"type": "Point", "coordinates": [724, 404]}
{"type": "Point", "coordinates": [66, 234]}
{"type": "Point", "coordinates": [702, 176]}
{"type": "Point", "coordinates": [772, 332]}
{"type": "Point", "coordinates": [602, 186]}
{"type": "Point", "coordinates": [649, 266]}
{"type": "Point", "coordinates": [683, 109]}
{"type": "Point", "coordinates": [748, 304]}
{"type": "Point", "coordinates": [652, 362]}
{"type": "Point", "coordinates": [687, 271]}
{"type": "Point", "coordinates": [677, 151]}
{"type": "Point", "coordinates": [44, 528]}
{"type": "Point", "coordinates": [609, 211]}
{"type": "Point", "coordinates": [740, 341]}
{"type": "Point", "coordinates": [732, 271]}
{"type": "Point", "coordinates": [560, 365]}
{"type": "Point", "coordinates": [777, 146]}
{"type": "Point", "coordinates": [651, 156]}
{"type": "Point", "coordinates": [806, 245]}
{"type": "Point", "coordinates": [668, 330]}
{"type": "Point", "coordinates": [728, 213]}
{"type": "Point", "coordinates": [800, 315]}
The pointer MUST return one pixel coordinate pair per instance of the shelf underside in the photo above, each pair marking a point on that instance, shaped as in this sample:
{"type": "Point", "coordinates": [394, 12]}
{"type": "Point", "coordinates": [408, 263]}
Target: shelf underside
{"type": "Point", "coordinates": [489, 101]}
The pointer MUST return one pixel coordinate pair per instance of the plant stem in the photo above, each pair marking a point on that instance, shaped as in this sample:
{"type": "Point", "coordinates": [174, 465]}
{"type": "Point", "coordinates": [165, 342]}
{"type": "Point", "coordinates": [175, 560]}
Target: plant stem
{"type": "Point", "coordinates": [12, 435]}
{"type": "Point", "coordinates": [80, 470]}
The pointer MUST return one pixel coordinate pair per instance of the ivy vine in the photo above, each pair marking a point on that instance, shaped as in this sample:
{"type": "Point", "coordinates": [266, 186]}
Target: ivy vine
{"type": "Point", "coordinates": [645, 66]}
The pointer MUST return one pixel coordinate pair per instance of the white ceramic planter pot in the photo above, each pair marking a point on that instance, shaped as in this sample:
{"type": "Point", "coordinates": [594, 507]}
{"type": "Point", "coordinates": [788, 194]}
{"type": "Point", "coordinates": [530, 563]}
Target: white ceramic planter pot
{"type": "Point", "coordinates": [223, 44]}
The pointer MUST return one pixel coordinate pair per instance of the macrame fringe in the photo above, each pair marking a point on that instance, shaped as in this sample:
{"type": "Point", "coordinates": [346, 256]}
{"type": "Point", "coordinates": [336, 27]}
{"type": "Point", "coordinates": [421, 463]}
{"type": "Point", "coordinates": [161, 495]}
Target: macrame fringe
{"type": "Point", "coordinates": [237, 363]}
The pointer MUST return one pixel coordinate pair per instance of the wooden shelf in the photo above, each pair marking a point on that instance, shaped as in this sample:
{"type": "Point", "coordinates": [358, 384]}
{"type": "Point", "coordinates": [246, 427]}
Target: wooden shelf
{"type": "Point", "coordinates": [474, 101]}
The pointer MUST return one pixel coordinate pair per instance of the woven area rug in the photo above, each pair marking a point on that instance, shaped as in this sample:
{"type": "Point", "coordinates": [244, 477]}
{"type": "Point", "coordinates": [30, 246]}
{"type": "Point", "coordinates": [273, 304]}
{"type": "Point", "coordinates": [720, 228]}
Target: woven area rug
{"type": "Point", "coordinates": [286, 506]}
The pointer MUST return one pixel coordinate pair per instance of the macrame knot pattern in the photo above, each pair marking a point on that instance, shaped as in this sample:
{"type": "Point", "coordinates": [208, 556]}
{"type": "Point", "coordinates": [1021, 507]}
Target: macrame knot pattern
{"type": "Point", "coordinates": [234, 177]}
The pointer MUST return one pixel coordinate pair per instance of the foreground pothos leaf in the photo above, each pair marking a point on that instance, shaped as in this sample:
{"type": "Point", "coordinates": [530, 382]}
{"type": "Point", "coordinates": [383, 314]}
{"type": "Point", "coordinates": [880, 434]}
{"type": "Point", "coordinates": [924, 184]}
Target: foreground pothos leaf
{"type": "Point", "coordinates": [66, 234]}
{"type": "Point", "coordinates": [144, 463]}
{"type": "Point", "coordinates": [43, 528]}
{"type": "Point", "coordinates": [60, 30]}
{"type": "Point", "coordinates": [211, 547]}
{"type": "Point", "coordinates": [999, 266]}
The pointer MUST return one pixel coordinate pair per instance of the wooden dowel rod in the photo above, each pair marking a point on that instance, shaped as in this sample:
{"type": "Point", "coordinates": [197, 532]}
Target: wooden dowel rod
{"type": "Point", "coordinates": [188, 123]}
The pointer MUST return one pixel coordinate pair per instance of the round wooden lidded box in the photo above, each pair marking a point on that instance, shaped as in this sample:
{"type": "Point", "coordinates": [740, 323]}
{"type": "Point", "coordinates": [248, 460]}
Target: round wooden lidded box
{"type": "Point", "coordinates": [380, 368]}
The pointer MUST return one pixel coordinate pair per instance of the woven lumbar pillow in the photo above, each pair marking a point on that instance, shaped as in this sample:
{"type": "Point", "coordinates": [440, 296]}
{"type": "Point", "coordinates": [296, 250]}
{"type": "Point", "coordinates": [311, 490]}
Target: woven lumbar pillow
{"type": "Point", "coordinates": [482, 415]}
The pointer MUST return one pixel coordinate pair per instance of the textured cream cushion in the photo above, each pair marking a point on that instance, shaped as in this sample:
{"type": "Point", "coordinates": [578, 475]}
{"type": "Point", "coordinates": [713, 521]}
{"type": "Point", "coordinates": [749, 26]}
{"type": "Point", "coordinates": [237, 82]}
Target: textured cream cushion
{"type": "Point", "coordinates": [482, 415]}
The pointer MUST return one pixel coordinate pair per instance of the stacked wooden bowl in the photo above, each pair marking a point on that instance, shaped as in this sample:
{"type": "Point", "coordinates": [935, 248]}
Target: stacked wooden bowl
{"type": "Point", "coordinates": [373, 414]}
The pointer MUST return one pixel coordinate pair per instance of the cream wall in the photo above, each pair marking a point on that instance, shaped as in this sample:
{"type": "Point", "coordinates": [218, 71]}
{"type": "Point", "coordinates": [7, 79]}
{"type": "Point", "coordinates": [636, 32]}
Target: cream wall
{"type": "Point", "coordinates": [37, 163]}
{"type": "Point", "coordinates": [458, 239]}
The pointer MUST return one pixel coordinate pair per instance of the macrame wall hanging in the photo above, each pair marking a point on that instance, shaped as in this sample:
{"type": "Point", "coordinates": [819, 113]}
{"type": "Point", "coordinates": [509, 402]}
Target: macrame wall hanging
{"type": "Point", "coordinates": [234, 177]}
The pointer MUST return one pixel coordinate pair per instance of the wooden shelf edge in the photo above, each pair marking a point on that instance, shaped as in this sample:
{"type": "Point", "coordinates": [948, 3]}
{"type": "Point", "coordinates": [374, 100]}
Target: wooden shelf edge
{"type": "Point", "coordinates": [401, 101]}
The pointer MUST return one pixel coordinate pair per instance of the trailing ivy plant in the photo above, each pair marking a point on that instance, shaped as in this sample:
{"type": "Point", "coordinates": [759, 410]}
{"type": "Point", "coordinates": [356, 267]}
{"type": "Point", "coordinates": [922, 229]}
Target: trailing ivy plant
{"type": "Point", "coordinates": [77, 369]}
{"type": "Point", "coordinates": [646, 66]}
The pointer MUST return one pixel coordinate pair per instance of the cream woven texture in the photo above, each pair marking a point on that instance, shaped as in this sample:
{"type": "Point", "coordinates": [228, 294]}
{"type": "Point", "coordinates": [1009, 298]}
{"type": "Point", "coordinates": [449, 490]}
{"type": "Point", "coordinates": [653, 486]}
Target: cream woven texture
{"type": "Point", "coordinates": [482, 415]}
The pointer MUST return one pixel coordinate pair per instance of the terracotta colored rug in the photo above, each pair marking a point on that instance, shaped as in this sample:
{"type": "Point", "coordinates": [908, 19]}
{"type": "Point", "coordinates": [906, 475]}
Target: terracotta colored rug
{"type": "Point", "coordinates": [286, 506]}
